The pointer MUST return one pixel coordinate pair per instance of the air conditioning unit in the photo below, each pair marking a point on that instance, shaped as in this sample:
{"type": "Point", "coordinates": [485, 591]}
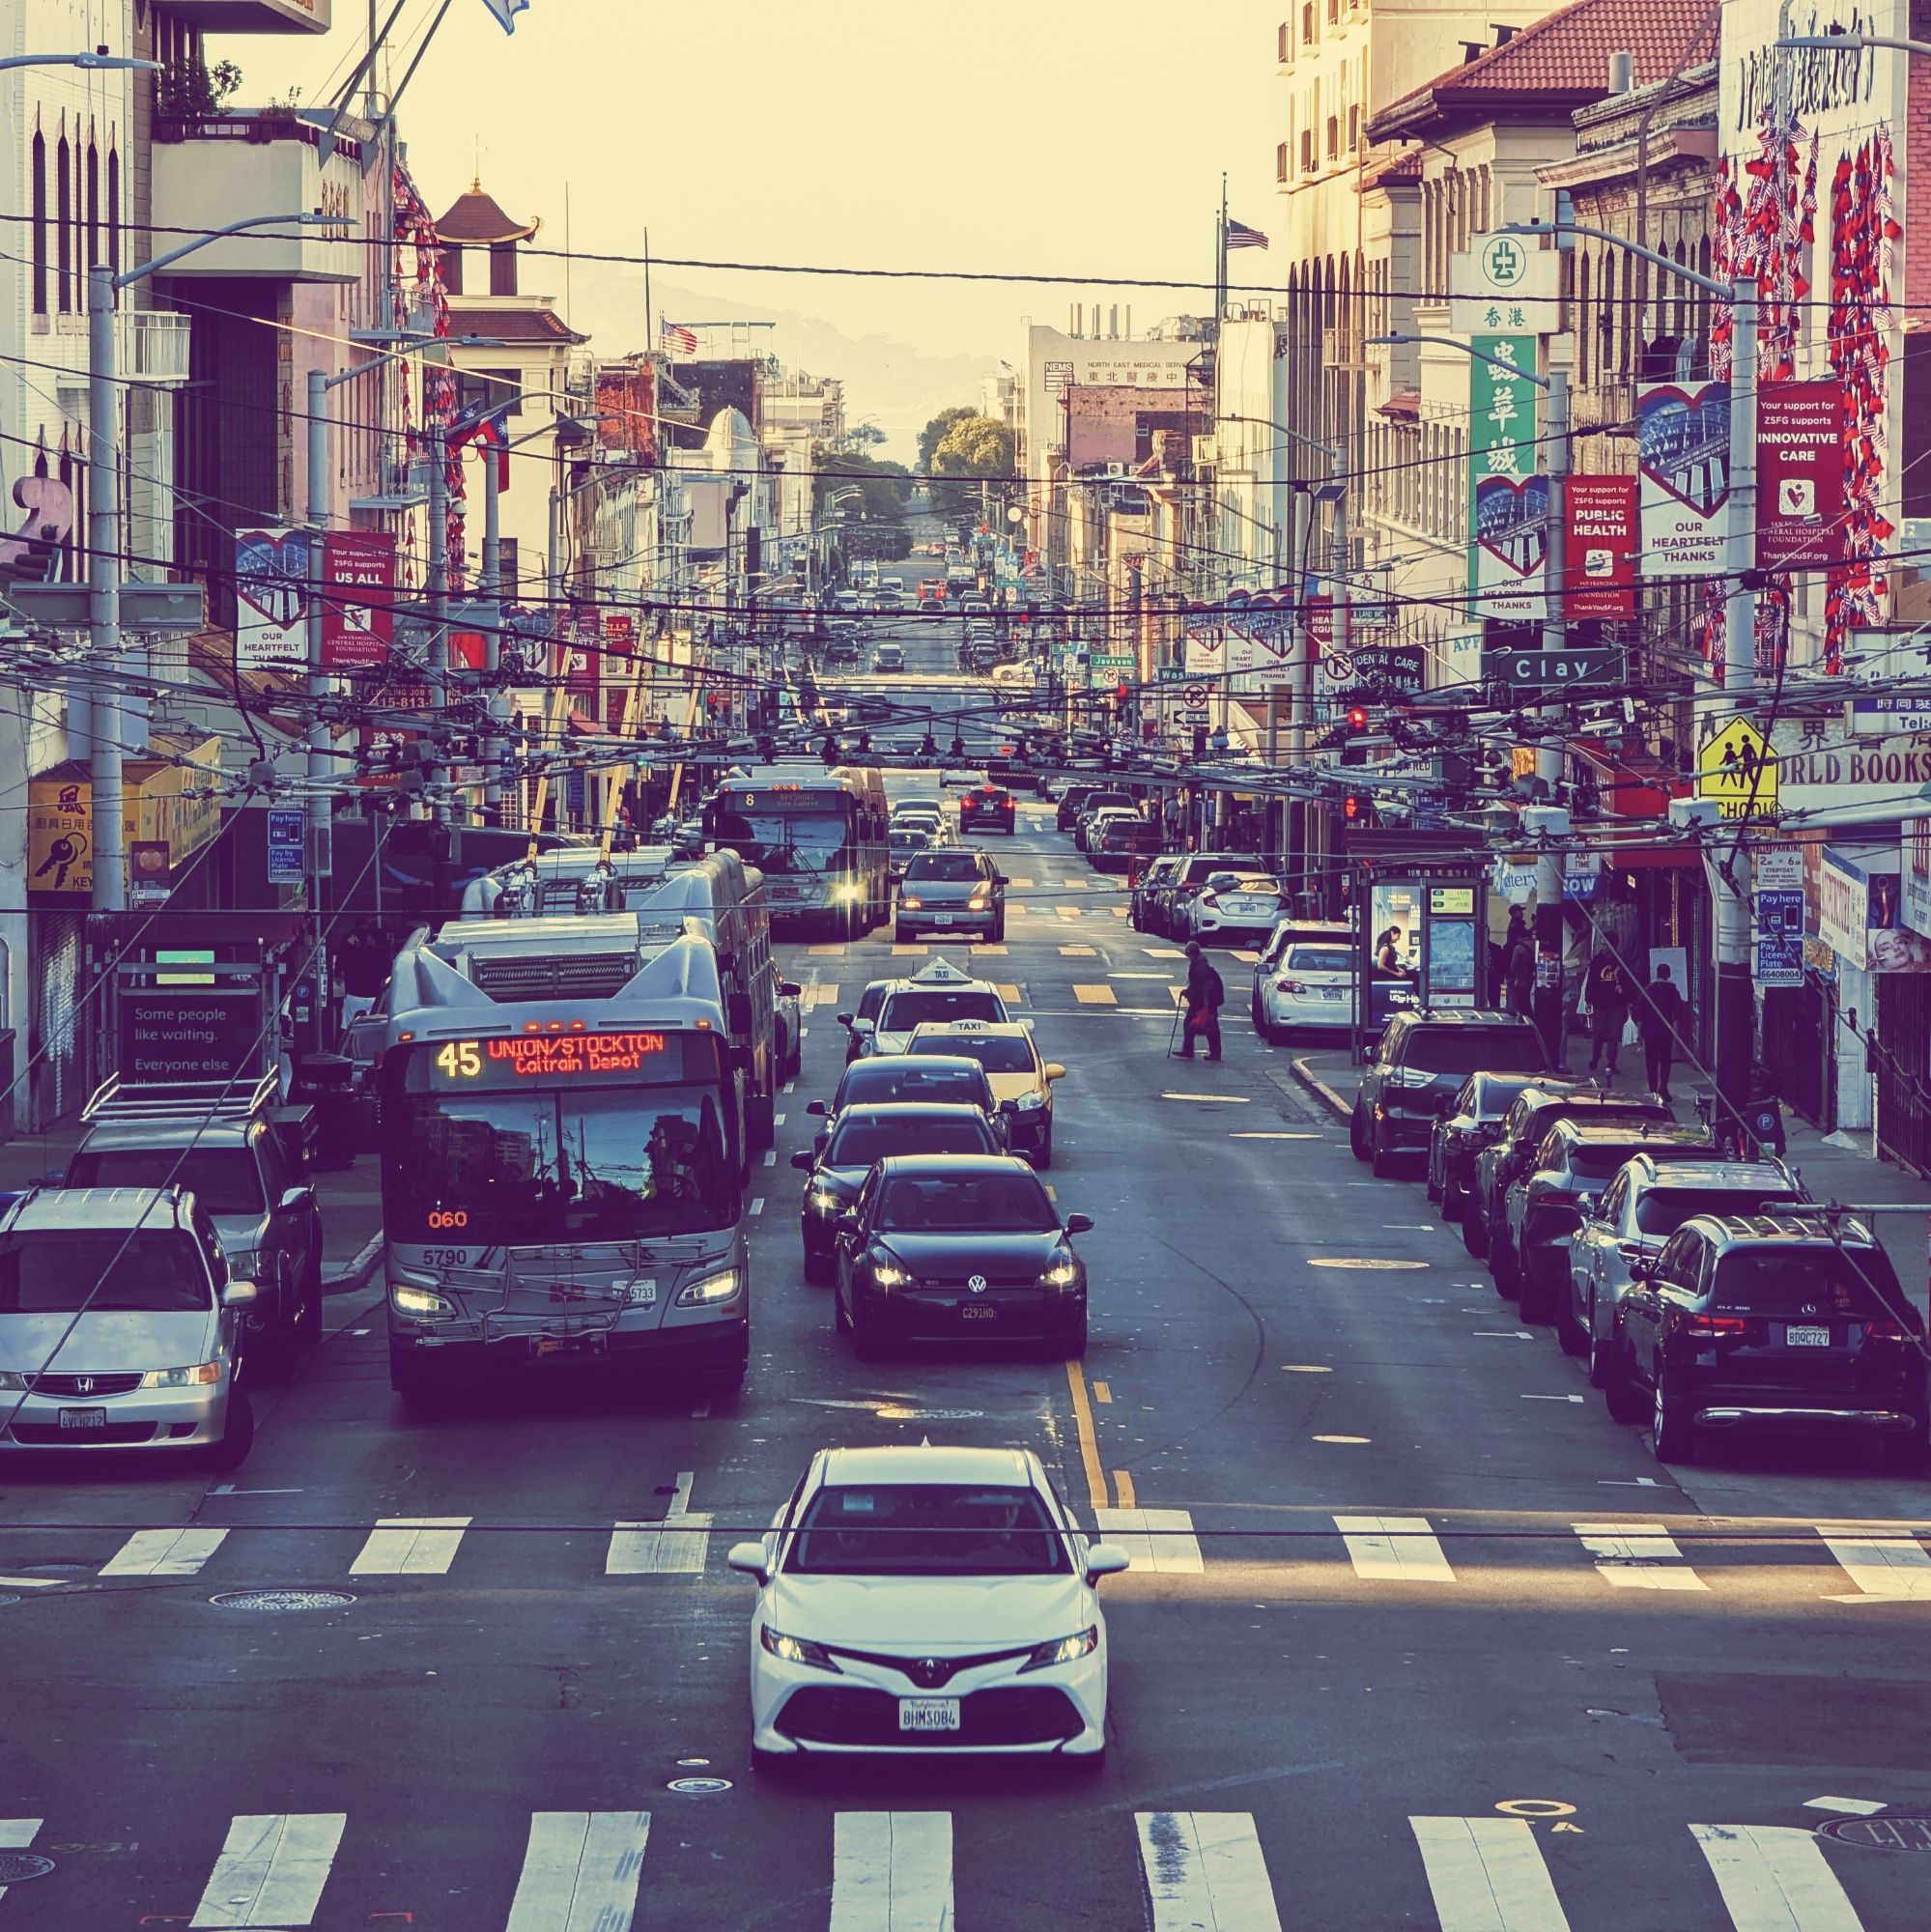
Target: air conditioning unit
{"type": "Point", "coordinates": [1116, 470]}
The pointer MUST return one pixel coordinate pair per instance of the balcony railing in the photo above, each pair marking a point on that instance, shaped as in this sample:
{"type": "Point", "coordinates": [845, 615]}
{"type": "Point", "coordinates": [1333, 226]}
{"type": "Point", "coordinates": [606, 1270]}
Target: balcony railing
{"type": "Point", "coordinates": [151, 349]}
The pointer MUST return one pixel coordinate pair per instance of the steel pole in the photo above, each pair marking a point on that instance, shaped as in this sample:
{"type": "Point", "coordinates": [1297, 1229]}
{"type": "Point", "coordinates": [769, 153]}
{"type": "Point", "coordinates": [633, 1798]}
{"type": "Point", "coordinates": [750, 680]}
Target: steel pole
{"type": "Point", "coordinates": [436, 586]}
{"type": "Point", "coordinates": [1546, 1002]}
{"type": "Point", "coordinates": [103, 579]}
{"type": "Point", "coordinates": [492, 593]}
{"type": "Point", "coordinates": [319, 818]}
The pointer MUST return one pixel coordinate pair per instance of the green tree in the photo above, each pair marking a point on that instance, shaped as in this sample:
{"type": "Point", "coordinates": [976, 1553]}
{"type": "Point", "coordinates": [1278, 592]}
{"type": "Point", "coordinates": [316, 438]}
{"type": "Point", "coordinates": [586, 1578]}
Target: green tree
{"type": "Point", "coordinates": [936, 431]}
{"type": "Point", "coordinates": [972, 446]}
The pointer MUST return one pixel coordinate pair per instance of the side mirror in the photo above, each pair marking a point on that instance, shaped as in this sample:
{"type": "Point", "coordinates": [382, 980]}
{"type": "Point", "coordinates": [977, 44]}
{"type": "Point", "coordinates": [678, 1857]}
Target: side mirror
{"type": "Point", "coordinates": [863, 1028]}
{"type": "Point", "coordinates": [815, 1107]}
{"type": "Point", "coordinates": [791, 989]}
{"type": "Point", "coordinates": [1054, 1070]}
{"type": "Point", "coordinates": [844, 1019]}
{"type": "Point", "coordinates": [241, 1295]}
{"type": "Point", "coordinates": [846, 1223]}
{"type": "Point", "coordinates": [1000, 879]}
{"type": "Point", "coordinates": [1105, 1559]}
{"type": "Point", "coordinates": [803, 1161]}
{"type": "Point", "coordinates": [1079, 1224]}
{"type": "Point", "coordinates": [295, 1199]}
{"type": "Point", "coordinates": [748, 1560]}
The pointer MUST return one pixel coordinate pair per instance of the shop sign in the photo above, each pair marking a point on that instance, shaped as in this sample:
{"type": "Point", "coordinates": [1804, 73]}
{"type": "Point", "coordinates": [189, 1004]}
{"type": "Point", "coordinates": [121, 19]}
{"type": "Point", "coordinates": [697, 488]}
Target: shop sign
{"type": "Point", "coordinates": [1508, 510]}
{"type": "Point", "coordinates": [1843, 909]}
{"type": "Point", "coordinates": [1883, 771]}
{"type": "Point", "coordinates": [1914, 906]}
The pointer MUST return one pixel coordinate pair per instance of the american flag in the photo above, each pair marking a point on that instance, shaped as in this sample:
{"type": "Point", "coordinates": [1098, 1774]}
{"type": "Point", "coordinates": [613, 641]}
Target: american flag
{"type": "Point", "coordinates": [1240, 236]}
{"type": "Point", "coordinates": [674, 339]}
{"type": "Point", "coordinates": [504, 13]}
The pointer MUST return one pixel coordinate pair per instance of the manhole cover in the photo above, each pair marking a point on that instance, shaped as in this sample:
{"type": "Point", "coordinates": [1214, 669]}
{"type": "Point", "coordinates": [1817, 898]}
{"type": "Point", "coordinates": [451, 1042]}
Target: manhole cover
{"type": "Point", "coordinates": [5, 1601]}
{"type": "Point", "coordinates": [18, 1867]}
{"type": "Point", "coordinates": [1881, 1835]}
{"type": "Point", "coordinates": [281, 1600]}
{"type": "Point", "coordinates": [698, 1787]}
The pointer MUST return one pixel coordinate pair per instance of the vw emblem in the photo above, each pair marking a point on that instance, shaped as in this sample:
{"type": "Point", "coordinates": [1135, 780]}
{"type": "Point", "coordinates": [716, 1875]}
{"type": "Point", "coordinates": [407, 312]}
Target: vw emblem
{"type": "Point", "coordinates": [976, 1282]}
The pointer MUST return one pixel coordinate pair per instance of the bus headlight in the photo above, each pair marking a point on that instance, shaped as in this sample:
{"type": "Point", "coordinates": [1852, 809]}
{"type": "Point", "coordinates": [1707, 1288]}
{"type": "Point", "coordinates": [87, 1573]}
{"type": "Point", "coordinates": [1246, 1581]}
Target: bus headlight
{"type": "Point", "coordinates": [710, 1289]}
{"type": "Point", "coordinates": [424, 1303]}
{"type": "Point", "coordinates": [848, 892]}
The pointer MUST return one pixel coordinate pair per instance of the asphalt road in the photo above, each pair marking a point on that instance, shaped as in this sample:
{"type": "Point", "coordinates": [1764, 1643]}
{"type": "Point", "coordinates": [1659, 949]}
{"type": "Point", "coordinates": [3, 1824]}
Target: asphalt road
{"type": "Point", "coordinates": [1368, 1671]}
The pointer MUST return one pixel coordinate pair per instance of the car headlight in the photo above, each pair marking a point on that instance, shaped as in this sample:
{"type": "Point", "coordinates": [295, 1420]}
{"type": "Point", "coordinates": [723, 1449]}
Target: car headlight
{"type": "Point", "coordinates": [848, 891]}
{"type": "Point", "coordinates": [11, 1380]}
{"type": "Point", "coordinates": [1027, 1101]}
{"type": "Point", "coordinates": [242, 1263]}
{"type": "Point", "coordinates": [907, 903]}
{"type": "Point", "coordinates": [1062, 1271]}
{"type": "Point", "coordinates": [1064, 1650]}
{"type": "Point", "coordinates": [202, 1374]}
{"type": "Point", "coordinates": [823, 1201]}
{"type": "Point", "coordinates": [711, 1290]}
{"type": "Point", "coordinates": [408, 1299]}
{"type": "Point", "coordinates": [979, 903]}
{"type": "Point", "coordinates": [887, 1274]}
{"type": "Point", "coordinates": [797, 1650]}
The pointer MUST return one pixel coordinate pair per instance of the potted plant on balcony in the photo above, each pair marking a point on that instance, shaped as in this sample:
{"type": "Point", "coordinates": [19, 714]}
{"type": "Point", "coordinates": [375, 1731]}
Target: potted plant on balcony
{"type": "Point", "coordinates": [190, 91]}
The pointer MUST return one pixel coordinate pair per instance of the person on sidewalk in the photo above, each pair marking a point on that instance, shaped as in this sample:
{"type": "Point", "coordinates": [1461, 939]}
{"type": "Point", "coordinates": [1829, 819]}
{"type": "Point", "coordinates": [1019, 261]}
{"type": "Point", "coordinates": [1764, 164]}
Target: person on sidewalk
{"type": "Point", "coordinates": [1608, 994]}
{"type": "Point", "coordinates": [1660, 1025]}
{"type": "Point", "coordinates": [1205, 993]}
{"type": "Point", "coordinates": [1518, 968]}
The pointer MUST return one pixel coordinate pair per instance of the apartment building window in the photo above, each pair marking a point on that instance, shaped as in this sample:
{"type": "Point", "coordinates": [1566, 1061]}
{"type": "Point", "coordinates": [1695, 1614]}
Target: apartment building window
{"type": "Point", "coordinates": [64, 224]}
{"type": "Point", "coordinates": [1307, 151]}
{"type": "Point", "coordinates": [1307, 24]}
{"type": "Point", "coordinates": [1333, 138]}
{"type": "Point", "coordinates": [490, 388]}
{"type": "Point", "coordinates": [1353, 126]}
{"type": "Point", "coordinates": [1584, 362]}
{"type": "Point", "coordinates": [1283, 161]}
{"type": "Point", "coordinates": [1334, 13]}
{"type": "Point", "coordinates": [39, 224]}
{"type": "Point", "coordinates": [114, 209]}
{"type": "Point", "coordinates": [1287, 52]}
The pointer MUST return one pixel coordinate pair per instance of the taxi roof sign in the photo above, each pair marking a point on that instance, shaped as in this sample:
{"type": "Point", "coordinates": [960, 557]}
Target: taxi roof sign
{"type": "Point", "coordinates": [1738, 769]}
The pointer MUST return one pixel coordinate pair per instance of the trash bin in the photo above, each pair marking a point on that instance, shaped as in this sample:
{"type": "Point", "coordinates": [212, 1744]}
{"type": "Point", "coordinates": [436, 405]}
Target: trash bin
{"type": "Point", "coordinates": [325, 1085]}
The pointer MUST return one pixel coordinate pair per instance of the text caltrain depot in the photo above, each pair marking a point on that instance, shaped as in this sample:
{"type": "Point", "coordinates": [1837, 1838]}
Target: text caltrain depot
{"type": "Point", "coordinates": [560, 1056]}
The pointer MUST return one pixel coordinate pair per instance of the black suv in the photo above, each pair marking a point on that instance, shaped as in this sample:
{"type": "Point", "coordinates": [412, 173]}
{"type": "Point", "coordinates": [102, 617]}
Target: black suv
{"type": "Point", "coordinates": [1468, 1122]}
{"type": "Point", "coordinates": [1421, 1059]}
{"type": "Point", "coordinates": [1769, 1319]}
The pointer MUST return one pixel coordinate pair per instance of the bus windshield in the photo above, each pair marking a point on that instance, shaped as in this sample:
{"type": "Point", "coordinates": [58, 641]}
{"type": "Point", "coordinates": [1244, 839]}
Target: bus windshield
{"type": "Point", "coordinates": [782, 842]}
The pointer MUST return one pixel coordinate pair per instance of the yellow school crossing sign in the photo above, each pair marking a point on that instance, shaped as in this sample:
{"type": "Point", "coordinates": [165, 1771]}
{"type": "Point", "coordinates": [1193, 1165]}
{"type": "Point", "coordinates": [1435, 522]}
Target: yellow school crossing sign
{"type": "Point", "coordinates": [1738, 769]}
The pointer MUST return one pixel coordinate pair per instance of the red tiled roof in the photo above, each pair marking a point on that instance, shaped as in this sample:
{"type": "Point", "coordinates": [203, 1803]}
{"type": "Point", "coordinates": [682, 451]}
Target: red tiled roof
{"type": "Point", "coordinates": [1560, 64]}
{"type": "Point", "coordinates": [512, 325]}
{"type": "Point", "coordinates": [476, 217]}
{"type": "Point", "coordinates": [1399, 172]}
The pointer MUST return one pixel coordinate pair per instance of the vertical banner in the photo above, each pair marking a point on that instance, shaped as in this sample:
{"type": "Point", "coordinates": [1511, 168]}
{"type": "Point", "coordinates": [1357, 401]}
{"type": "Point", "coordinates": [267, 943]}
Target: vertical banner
{"type": "Point", "coordinates": [1507, 512]}
{"type": "Point", "coordinates": [1800, 477]}
{"type": "Point", "coordinates": [1599, 572]}
{"type": "Point", "coordinates": [586, 661]}
{"type": "Point", "coordinates": [358, 584]}
{"type": "Point", "coordinates": [1683, 463]}
{"type": "Point", "coordinates": [271, 587]}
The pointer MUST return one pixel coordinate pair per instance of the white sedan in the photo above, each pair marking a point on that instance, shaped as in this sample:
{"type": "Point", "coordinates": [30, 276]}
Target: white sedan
{"type": "Point", "coordinates": [922, 1598]}
{"type": "Point", "coordinates": [1234, 906]}
{"type": "Point", "coordinates": [1306, 983]}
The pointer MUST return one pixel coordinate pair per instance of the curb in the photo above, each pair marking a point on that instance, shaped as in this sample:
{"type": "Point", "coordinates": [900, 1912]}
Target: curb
{"type": "Point", "coordinates": [1316, 1084]}
{"type": "Point", "coordinates": [357, 1274]}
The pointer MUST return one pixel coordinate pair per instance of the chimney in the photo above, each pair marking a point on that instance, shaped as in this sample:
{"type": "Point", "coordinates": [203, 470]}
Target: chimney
{"type": "Point", "coordinates": [1472, 51]}
{"type": "Point", "coordinates": [1072, 325]}
{"type": "Point", "coordinates": [1113, 322]}
{"type": "Point", "coordinates": [1504, 35]}
{"type": "Point", "coordinates": [1622, 73]}
{"type": "Point", "coordinates": [1129, 322]}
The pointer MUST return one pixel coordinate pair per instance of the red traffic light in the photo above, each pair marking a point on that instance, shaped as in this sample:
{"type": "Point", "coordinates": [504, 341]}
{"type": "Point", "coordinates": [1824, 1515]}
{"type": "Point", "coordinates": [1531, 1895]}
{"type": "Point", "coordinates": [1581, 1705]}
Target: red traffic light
{"type": "Point", "coordinates": [1358, 720]}
{"type": "Point", "coordinates": [1350, 806]}
{"type": "Point", "coordinates": [1121, 692]}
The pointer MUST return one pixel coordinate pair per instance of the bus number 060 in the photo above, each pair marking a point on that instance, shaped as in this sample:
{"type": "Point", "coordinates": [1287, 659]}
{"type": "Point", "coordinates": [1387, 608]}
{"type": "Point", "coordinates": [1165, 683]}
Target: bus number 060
{"type": "Point", "coordinates": [449, 1218]}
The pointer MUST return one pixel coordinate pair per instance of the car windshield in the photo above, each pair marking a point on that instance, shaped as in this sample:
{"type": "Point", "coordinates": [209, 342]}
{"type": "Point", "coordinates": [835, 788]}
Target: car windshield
{"type": "Point", "coordinates": [871, 999]}
{"type": "Point", "coordinates": [225, 1180]}
{"type": "Point", "coordinates": [910, 838]}
{"type": "Point", "coordinates": [1813, 1277]}
{"type": "Point", "coordinates": [907, 1080]}
{"type": "Point", "coordinates": [1319, 959]}
{"type": "Point", "coordinates": [63, 1271]}
{"type": "Point", "coordinates": [950, 868]}
{"type": "Point", "coordinates": [862, 1142]}
{"type": "Point", "coordinates": [995, 1203]}
{"type": "Point", "coordinates": [1599, 1163]}
{"type": "Point", "coordinates": [1661, 1211]}
{"type": "Point", "coordinates": [997, 1053]}
{"type": "Point", "coordinates": [1462, 1049]}
{"type": "Point", "coordinates": [930, 1006]}
{"type": "Point", "coordinates": [927, 1529]}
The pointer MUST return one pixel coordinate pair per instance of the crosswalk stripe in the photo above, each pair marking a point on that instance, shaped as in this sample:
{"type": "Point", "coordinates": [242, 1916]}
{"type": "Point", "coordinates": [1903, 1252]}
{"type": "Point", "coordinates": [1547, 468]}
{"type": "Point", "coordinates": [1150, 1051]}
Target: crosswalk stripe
{"type": "Point", "coordinates": [1399, 1549]}
{"type": "Point", "coordinates": [15, 1835]}
{"type": "Point", "coordinates": [1773, 1878]}
{"type": "Point", "coordinates": [892, 1871]}
{"type": "Point", "coordinates": [1163, 952]}
{"type": "Point", "coordinates": [835, 950]}
{"type": "Point", "coordinates": [580, 1872]}
{"type": "Point", "coordinates": [1119, 912]}
{"type": "Point", "coordinates": [1067, 912]}
{"type": "Point", "coordinates": [272, 1870]}
{"type": "Point", "coordinates": [1076, 953]}
{"type": "Point", "coordinates": [165, 1552]}
{"type": "Point", "coordinates": [1638, 1556]}
{"type": "Point", "coordinates": [1096, 995]}
{"type": "Point", "coordinates": [1157, 1540]}
{"type": "Point", "coordinates": [1007, 992]}
{"type": "Point", "coordinates": [1204, 1872]}
{"type": "Point", "coordinates": [907, 951]}
{"type": "Point", "coordinates": [1017, 910]}
{"type": "Point", "coordinates": [410, 1546]}
{"type": "Point", "coordinates": [989, 949]}
{"type": "Point", "coordinates": [1486, 1875]}
{"type": "Point", "coordinates": [1880, 1564]}
{"type": "Point", "coordinates": [1024, 884]}
{"type": "Point", "coordinates": [678, 1546]}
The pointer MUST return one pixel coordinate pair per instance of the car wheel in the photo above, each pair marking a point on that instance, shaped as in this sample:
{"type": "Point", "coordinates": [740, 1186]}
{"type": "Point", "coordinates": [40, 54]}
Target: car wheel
{"type": "Point", "coordinates": [1622, 1394]}
{"type": "Point", "coordinates": [773, 1764]}
{"type": "Point", "coordinates": [999, 929]}
{"type": "Point", "coordinates": [1474, 1229]}
{"type": "Point", "coordinates": [239, 1437]}
{"type": "Point", "coordinates": [1595, 1349]}
{"type": "Point", "coordinates": [1535, 1292]}
{"type": "Point", "coordinates": [1569, 1331]}
{"type": "Point", "coordinates": [1672, 1430]}
{"type": "Point", "coordinates": [1358, 1137]}
{"type": "Point", "coordinates": [1451, 1204]}
{"type": "Point", "coordinates": [864, 1341]}
{"type": "Point", "coordinates": [1502, 1265]}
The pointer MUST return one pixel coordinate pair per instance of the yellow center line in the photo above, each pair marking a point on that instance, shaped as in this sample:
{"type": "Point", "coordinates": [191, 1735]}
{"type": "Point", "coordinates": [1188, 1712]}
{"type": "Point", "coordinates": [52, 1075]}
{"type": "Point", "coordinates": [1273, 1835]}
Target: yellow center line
{"type": "Point", "coordinates": [1095, 995]}
{"type": "Point", "coordinates": [1089, 1443]}
{"type": "Point", "coordinates": [1124, 1484]}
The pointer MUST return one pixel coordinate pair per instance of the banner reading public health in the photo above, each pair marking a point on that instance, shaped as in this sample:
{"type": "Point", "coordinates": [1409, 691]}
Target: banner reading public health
{"type": "Point", "coordinates": [1682, 458]}
{"type": "Point", "coordinates": [1508, 508]}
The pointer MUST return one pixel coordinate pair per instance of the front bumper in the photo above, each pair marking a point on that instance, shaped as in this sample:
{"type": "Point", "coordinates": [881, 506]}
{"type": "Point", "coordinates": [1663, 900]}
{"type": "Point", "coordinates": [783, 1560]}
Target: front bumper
{"type": "Point", "coordinates": [720, 1344]}
{"type": "Point", "coordinates": [942, 919]}
{"type": "Point", "coordinates": [955, 1315]}
{"type": "Point", "coordinates": [1027, 1131]}
{"type": "Point", "coordinates": [157, 1420]}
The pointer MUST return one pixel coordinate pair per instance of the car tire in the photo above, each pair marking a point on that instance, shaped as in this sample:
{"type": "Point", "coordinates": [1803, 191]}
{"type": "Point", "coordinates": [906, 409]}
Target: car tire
{"type": "Point", "coordinates": [1430, 1185]}
{"type": "Point", "coordinates": [818, 1268]}
{"type": "Point", "coordinates": [239, 1437]}
{"type": "Point", "coordinates": [1569, 1331]}
{"type": "Point", "coordinates": [1622, 1395]}
{"type": "Point", "coordinates": [1358, 1137]}
{"type": "Point", "coordinates": [999, 929]}
{"type": "Point", "coordinates": [1044, 1157]}
{"type": "Point", "coordinates": [1381, 1161]}
{"type": "Point", "coordinates": [1535, 1294]}
{"type": "Point", "coordinates": [1672, 1430]}
{"type": "Point", "coordinates": [1474, 1229]}
{"type": "Point", "coordinates": [1075, 1344]}
{"type": "Point", "coordinates": [773, 1764]}
{"type": "Point", "coordinates": [1502, 1267]}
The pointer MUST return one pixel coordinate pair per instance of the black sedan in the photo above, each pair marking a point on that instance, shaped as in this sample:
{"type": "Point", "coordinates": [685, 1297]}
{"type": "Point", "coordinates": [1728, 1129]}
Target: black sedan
{"type": "Point", "coordinates": [947, 1080]}
{"type": "Point", "coordinates": [861, 1139]}
{"type": "Point", "coordinates": [958, 1247]}
{"type": "Point", "coordinates": [1468, 1122]}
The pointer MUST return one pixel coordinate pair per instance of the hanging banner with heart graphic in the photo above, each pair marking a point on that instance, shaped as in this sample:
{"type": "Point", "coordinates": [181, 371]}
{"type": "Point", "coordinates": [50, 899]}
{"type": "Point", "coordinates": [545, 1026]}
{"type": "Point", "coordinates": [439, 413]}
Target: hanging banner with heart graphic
{"type": "Point", "coordinates": [271, 588]}
{"type": "Point", "coordinates": [1508, 503]}
{"type": "Point", "coordinates": [1682, 458]}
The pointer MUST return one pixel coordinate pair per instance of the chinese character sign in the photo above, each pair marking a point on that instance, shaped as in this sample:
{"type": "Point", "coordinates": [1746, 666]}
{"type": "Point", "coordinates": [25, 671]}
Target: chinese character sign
{"type": "Point", "coordinates": [1507, 502]}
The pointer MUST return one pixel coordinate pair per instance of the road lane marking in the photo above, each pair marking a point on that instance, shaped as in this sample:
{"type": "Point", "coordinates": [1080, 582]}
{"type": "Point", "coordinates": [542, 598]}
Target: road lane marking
{"type": "Point", "coordinates": [1017, 910]}
{"type": "Point", "coordinates": [1163, 952]}
{"type": "Point", "coordinates": [16, 1834]}
{"type": "Point", "coordinates": [1773, 1878]}
{"type": "Point", "coordinates": [1122, 1489]}
{"type": "Point", "coordinates": [165, 1552]}
{"type": "Point", "coordinates": [1102, 1393]}
{"type": "Point", "coordinates": [758, 1203]}
{"type": "Point", "coordinates": [908, 951]}
{"type": "Point", "coordinates": [771, 1157]}
{"type": "Point", "coordinates": [272, 1870]}
{"type": "Point", "coordinates": [1638, 1556]}
{"type": "Point", "coordinates": [411, 1546]}
{"type": "Point", "coordinates": [1259, 1134]}
{"type": "Point", "coordinates": [579, 1871]}
{"type": "Point", "coordinates": [1204, 1872]}
{"type": "Point", "coordinates": [1119, 912]}
{"type": "Point", "coordinates": [1488, 1875]}
{"type": "Point", "coordinates": [993, 951]}
{"type": "Point", "coordinates": [1851, 1808]}
{"type": "Point", "coordinates": [678, 1546]}
{"type": "Point", "coordinates": [1215, 1099]}
{"type": "Point", "coordinates": [833, 950]}
{"type": "Point", "coordinates": [1067, 912]}
{"type": "Point", "coordinates": [1096, 995]}
{"type": "Point", "coordinates": [1024, 884]}
{"type": "Point", "coordinates": [1394, 1549]}
{"type": "Point", "coordinates": [1880, 1564]}
{"type": "Point", "coordinates": [1131, 975]}
{"type": "Point", "coordinates": [1007, 992]}
{"type": "Point", "coordinates": [892, 1871]}
{"type": "Point", "coordinates": [1161, 1541]}
{"type": "Point", "coordinates": [1078, 952]}
{"type": "Point", "coordinates": [1089, 1443]}
{"type": "Point", "coordinates": [1246, 955]}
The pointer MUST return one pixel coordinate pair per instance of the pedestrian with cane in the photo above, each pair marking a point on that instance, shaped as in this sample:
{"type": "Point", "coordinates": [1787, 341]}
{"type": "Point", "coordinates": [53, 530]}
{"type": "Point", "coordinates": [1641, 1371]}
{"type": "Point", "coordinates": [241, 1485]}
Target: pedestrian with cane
{"type": "Point", "coordinates": [1205, 991]}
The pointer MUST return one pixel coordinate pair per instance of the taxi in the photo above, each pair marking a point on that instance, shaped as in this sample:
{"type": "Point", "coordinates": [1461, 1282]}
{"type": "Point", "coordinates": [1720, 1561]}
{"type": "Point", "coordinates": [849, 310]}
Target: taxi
{"type": "Point", "coordinates": [1022, 1082]}
{"type": "Point", "coordinates": [936, 995]}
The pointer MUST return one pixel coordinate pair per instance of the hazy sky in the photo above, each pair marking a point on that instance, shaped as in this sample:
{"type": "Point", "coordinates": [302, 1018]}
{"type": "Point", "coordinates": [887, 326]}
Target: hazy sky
{"type": "Point", "coordinates": [1082, 137]}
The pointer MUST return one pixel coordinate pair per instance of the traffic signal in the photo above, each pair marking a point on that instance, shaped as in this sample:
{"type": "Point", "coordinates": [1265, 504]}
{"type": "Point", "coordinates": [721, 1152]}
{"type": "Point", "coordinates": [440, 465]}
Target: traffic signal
{"type": "Point", "coordinates": [1357, 718]}
{"type": "Point", "coordinates": [1122, 693]}
{"type": "Point", "coordinates": [1350, 806]}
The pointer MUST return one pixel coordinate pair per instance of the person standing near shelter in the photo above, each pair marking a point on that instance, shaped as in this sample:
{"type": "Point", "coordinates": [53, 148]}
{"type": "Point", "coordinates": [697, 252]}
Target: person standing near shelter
{"type": "Point", "coordinates": [1660, 1025]}
{"type": "Point", "coordinates": [1204, 992]}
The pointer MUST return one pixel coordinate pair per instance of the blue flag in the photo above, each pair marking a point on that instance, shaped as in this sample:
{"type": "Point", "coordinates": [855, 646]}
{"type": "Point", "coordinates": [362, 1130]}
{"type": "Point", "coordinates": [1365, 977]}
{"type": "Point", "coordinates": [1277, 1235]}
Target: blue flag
{"type": "Point", "coordinates": [505, 12]}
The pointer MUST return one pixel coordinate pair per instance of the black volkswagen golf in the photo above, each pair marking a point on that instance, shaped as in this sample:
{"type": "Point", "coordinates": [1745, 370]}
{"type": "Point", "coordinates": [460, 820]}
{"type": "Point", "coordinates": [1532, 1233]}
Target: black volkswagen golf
{"type": "Point", "coordinates": [958, 1247]}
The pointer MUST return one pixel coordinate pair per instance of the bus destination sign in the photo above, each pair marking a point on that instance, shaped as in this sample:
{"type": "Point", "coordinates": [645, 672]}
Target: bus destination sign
{"type": "Point", "coordinates": [556, 1056]}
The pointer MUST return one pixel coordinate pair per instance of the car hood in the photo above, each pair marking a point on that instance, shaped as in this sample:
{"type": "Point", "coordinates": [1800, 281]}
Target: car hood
{"type": "Point", "coordinates": [1009, 1085]}
{"type": "Point", "coordinates": [950, 1251]}
{"type": "Point", "coordinates": [240, 1233]}
{"type": "Point", "coordinates": [113, 1341]}
{"type": "Point", "coordinates": [928, 1612]}
{"type": "Point", "coordinates": [841, 1180]}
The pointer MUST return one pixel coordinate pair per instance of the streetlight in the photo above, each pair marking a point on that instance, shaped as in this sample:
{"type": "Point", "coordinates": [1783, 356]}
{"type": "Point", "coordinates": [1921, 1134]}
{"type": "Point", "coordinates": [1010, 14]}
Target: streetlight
{"type": "Point", "coordinates": [103, 536]}
{"type": "Point", "coordinates": [98, 61]}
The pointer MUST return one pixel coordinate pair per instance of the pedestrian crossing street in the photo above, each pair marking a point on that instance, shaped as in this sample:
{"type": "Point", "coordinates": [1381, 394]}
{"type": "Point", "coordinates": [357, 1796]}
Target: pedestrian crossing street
{"type": "Point", "coordinates": [896, 1872]}
{"type": "Point", "coordinates": [1831, 1562]}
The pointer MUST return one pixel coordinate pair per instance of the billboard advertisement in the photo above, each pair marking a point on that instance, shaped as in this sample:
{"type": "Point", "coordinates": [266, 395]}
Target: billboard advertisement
{"type": "Point", "coordinates": [1683, 466]}
{"type": "Point", "coordinates": [358, 584]}
{"type": "Point", "coordinates": [1800, 477]}
{"type": "Point", "coordinates": [272, 589]}
{"type": "Point", "coordinates": [1600, 541]}
{"type": "Point", "coordinates": [1507, 512]}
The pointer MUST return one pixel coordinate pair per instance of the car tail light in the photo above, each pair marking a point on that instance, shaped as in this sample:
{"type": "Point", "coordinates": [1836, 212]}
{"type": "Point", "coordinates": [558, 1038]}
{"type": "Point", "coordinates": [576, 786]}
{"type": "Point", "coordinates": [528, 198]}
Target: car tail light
{"type": "Point", "coordinates": [1890, 1330]}
{"type": "Point", "coordinates": [1208, 900]}
{"type": "Point", "coordinates": [1711, 1327]}
{"type": "Point", "coordinates": [1291, 986]}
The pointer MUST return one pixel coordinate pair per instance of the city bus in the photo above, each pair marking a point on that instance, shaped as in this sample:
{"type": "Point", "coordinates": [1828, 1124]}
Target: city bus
{"type": "Point", "coordinates": [564, 1155]}
{"type": "Point", "coordinates": [725, 897]}
{"type": "Point", "coordinates": [820, 838]}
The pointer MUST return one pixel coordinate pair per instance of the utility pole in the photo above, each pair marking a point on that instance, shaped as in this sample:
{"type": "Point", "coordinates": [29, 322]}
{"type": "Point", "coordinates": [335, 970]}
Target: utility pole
{"type": "Point", "coordinates": [1547, 1002]}
{"type": "Point", "coordinates": [436, 594]}
{"type": "Point", "coordinates": [490, 589]}
{"type": "Point", "coordinates": [103, 588]}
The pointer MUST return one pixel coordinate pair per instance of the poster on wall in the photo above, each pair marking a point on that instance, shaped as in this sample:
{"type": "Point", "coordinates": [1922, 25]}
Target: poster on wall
{"type": "Point", "coordinates": [1508, 508]}
{"type": "Point", "coordinates": [1914, 906]}
{"type": "Point", "coordinates": [359, 581]}
{"type": "Point", "coordinates": [1683, 469]}
{"type": "Point", "coordinates": [272, 590]}
{"type": "Point", "coordinates": [1600, 542]}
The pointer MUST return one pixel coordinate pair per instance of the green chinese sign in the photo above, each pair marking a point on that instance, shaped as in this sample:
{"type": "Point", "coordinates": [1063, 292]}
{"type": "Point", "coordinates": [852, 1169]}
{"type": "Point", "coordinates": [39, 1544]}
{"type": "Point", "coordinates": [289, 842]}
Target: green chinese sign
{"type": "Point", "coordinates": [1507, 502]}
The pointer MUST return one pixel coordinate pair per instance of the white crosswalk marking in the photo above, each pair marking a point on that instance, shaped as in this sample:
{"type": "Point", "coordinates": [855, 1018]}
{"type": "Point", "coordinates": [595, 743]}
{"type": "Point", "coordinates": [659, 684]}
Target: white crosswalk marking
{"type": "Point", "coordinates": [892, 1871]}
{"type": "Point", "coordinates": [1638, 1556]}
{"type": "Point", "coordinates": [1774, 1878]}
{"type": "Point", "coordinates": [1397, 1548]}
{"type": "Point", "coordinates": [1160, 1540]}
{"type": "Point", "coordinates": [678, 1546]}
{"type": "Point", "coordinates": [1204, 1872]}
{"type": "Point", "coordinates": [1881, 1562]}
{"type": "Point", "coordinates": [15, 1835]}
{"type": "Point", "coordinates": [272, 1870]}
{"type": "Point", "coordinates": [1486, 1875]}
{"type": "Point", "coordinates": [410, 1546]}
{"type": "Point", "coordinates": [580, 1872]}
{"type": "Point", "coordinates": [165, 1552]}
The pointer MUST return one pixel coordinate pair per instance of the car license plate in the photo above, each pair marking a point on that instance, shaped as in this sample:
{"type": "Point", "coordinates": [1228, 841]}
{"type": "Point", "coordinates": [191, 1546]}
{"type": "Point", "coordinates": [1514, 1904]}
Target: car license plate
{"type": "Point", "coordinates": [83, 1418]}
{"type": "Point", "coordinates": [567, 1344]}
{"type": "Point", "coordinates": [941, 919]}
{"type": "Point", "coordinates": [1795, 1337]}
{"type": "Point", "coordinates": [928, 1713]}
{"type": "Point", "coordinates": [1330, 992]}
{"type": "Point", "coordinates": [978, 1311]}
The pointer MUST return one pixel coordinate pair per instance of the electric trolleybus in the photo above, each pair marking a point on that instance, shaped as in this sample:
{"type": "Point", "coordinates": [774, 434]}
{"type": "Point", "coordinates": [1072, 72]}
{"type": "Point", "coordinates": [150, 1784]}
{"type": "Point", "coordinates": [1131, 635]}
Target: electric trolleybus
{"type": "Point", "coordinates": [563, 1153]}
{"type": "Point", "coordinates": [820, 838]}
